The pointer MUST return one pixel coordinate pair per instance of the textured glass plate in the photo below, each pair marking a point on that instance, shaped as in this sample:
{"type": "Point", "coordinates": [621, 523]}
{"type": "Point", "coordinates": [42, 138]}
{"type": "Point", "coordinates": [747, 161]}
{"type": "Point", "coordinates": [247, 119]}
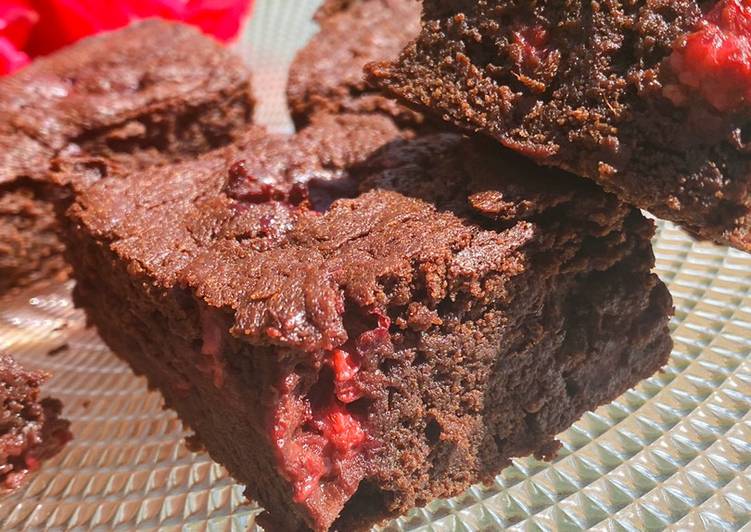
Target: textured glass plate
{"type": "Point", "coordinates": [675, 452]}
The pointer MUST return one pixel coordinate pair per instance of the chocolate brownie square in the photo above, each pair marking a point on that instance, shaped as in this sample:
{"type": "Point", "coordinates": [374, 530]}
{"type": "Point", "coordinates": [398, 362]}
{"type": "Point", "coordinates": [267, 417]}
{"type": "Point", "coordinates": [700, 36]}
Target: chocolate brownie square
{"type": "Point", "coordinates": [31, 429]}
{"type": "Point", "coordinates": [153, 93]}
{"type": "Point", "coordinates": [350, 360]}
{"type": "Point", "coordinates": [327, 74]}
{"type": "Point", "coordinates": [649, 99]}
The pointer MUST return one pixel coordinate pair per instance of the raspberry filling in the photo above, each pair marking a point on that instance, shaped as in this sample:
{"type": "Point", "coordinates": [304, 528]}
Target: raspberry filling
{"type": "Point", "coordinates": [317, 435]}
{"type": "Point", "coordinates": [715, 61]}
{"type": "Point", "coordinates": [533, 45]}
{"type": "Point", "coordinates": [320, 435]}
{"type": "Point", "coordinates": [242, 185]}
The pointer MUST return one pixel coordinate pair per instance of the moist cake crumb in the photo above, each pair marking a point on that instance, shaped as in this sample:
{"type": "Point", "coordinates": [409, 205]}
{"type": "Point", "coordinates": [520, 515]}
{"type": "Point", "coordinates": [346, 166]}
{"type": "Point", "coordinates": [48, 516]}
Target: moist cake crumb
{"type": "Point", "coordinates": [327, 75]}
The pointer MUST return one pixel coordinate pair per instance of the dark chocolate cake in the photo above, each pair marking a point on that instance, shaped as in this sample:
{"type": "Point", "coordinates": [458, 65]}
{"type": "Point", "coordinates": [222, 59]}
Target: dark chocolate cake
{"type": "Point", "coordinates": [649, 99]}
{"type": "Point", "coordinates": [150, 94]}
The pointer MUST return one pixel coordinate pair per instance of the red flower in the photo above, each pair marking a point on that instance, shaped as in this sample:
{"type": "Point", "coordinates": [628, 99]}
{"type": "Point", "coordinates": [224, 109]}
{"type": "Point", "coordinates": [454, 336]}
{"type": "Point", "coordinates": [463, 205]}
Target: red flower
{"type": "Point", "coordinates": [220, 18]}
{"type": "Point", "coordinates": [11, 58]}
{"type": "Point", "coordinates": [66, 21]}
{"type": "Point", "coordinates": [16, 20]}
{"type": "Point", "coordinates": [38, 27]}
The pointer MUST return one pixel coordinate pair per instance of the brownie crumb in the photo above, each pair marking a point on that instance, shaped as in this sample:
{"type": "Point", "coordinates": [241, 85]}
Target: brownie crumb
{"type": "Point", "coordinates": [31, 429]}
{"type": "Point", "coordinates": [58, 350]}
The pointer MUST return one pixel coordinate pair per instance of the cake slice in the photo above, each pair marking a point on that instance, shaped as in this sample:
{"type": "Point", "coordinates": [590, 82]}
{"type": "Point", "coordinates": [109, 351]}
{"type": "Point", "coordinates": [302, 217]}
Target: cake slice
{"type": "Point", "coordinates": [649, 99]}
{"type": "Point", "coordinates": [150, 94]}
{"type": "Point", "coordinates": [31, 429]}
{"type": "Point", "coordinates": [348, 361]}
{"type": "Point", "coordinates": [327, 74]}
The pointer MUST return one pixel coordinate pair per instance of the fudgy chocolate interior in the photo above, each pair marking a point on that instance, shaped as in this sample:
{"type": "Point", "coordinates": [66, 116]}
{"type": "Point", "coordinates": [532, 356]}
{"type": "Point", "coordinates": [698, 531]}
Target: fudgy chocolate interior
{"type": "Point", "coordinates": [30, 248]}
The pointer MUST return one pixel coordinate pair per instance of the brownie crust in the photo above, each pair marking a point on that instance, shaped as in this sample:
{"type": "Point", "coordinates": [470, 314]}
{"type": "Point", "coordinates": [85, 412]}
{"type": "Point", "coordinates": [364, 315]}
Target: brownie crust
{"type": "Point", "coordinates": [327, 74]}
{"type": "Point", "coordinates": [462, 308]}
{"type": "Point", "coordinates": [589, 87]}
{"type": "Point", "coordinates": [150, 94]}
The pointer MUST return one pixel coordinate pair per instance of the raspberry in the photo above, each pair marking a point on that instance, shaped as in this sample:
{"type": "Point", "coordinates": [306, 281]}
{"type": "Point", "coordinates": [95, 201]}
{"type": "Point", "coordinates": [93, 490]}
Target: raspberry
{"type": "Point", "coordinates": [715, 61]}
{"type": "Point", "coordinates": [320, 437]}
{"type": "Point", "coordinates": [533, 42]}
{"type": "Point", "coordinates": [243, 186]}
{"type": "Point", "coordinates": [340, 428]}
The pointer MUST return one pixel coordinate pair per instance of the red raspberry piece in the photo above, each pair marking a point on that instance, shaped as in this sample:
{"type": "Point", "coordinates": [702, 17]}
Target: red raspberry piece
{"type": "Point", "coordinates": [715, 61]}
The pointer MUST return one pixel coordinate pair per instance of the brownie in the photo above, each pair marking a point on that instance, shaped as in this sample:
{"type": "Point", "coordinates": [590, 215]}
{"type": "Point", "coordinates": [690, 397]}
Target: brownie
{"type": "Point", "coordinates": [153, 93]}
{"type": "Point", "coordinates": [649, 99]}
{"type": "Point", "coordinates": [350, 360]}
{"type": "Point", "coordinates": [327, 74]}
{"type": "Point", "coordinates": [31, 429]}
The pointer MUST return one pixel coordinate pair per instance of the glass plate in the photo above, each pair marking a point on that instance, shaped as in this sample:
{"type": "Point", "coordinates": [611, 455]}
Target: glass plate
{"type": "Point", "coordinates": [675, 452]}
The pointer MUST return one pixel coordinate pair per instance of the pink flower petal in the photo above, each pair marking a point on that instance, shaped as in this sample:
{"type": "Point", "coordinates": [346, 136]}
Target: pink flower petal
{"type": "Point", "coordinates": [66, 21]}
{"type": "Point", "coordinates": [220, 18]}
{"type": "Point", "coordinates": [11, 58]}
{"type": "Point", "coordinates": [40, 27]}
{"type": "Point", "coordinates": [17, 17]}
